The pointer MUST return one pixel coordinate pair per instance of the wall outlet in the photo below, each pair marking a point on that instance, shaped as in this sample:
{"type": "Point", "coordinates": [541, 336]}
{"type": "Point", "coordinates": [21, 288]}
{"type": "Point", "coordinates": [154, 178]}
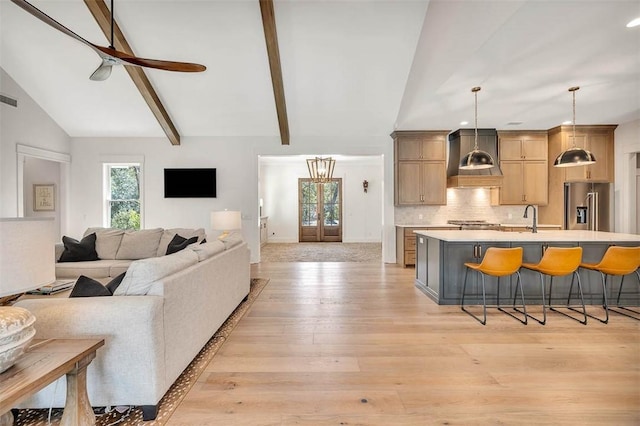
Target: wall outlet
{"type": "Point", "coordinates": [420, 217]}
{"type": "Point", "coordinates": [509, 216]}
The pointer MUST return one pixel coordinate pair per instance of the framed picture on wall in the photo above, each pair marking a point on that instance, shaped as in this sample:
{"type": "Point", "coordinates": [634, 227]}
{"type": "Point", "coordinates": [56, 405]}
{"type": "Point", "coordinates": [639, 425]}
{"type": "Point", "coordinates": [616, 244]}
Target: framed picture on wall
{"type": "Point", "coordinates": [44, 197]}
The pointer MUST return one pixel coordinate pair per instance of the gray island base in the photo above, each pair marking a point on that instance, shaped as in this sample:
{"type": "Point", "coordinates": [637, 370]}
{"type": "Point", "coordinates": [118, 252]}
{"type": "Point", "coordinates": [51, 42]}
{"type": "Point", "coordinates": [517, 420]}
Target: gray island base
{"type": "Point", "coordinates": [440, 258]}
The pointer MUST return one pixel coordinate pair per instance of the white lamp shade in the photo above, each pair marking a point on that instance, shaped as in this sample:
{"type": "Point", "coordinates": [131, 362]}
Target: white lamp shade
{"type": "Point", "coordinates": [226, 220]}
{"type": "Point", "coordinates": [27, 254]}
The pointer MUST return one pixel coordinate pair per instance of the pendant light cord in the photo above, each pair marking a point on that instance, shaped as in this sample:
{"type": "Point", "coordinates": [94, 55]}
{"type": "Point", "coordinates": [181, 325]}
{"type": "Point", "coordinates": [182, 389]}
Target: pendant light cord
{"type": "Point", "coordinates": [475, 91]}
{"type": "Point", "coordinates": [573, 90]}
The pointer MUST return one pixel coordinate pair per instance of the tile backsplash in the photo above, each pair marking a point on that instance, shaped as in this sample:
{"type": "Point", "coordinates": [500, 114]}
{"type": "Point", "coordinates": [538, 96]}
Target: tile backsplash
{"type": "Point", "coordinates": [462, 203]}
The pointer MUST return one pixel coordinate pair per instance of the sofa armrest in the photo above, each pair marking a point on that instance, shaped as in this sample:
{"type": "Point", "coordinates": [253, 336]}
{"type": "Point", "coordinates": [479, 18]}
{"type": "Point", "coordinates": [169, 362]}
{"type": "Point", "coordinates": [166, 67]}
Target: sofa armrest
{"type": "Point", "coordinates": [129, 369]}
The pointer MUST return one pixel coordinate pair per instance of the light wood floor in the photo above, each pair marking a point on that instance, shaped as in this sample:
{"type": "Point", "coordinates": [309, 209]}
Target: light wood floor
{"type": "Point", "coordinates": [358, 344]}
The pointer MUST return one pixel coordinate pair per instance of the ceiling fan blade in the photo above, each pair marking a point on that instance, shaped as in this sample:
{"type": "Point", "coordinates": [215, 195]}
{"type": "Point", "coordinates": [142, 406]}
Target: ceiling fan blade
{"type": "Point", "coordinates": [102, 72]}
{"type": "Point", "coordinates": [127, 59]}
{"type": "Point", "coordinates": [49, 20]}
{"type": "Point", "coordinates": [108, 53]}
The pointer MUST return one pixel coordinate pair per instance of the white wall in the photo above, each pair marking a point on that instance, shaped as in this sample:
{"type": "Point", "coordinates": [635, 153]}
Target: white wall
{"type": "Point", "coordinates": [38, 171]}
{"type": "Point", "coordinates": [28, 125]}
{"type": "Point", "coordinates": [362, 212]}
{"type": "Point", "coordinates": [236, 161]}
{"type": "Point", "coordinates": [627, 144]}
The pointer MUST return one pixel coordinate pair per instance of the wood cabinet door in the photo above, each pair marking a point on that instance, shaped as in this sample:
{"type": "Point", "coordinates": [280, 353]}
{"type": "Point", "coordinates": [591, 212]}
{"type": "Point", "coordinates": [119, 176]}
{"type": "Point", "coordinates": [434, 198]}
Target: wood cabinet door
{"type": "Point", "coordinates": [511, 191]}
{"type": "Point", "coordinates": [434, 183]}
{"type": "Point", "coordinates": [534, 148]}
{"type": "Point", "coordinates": [535, 183]}
{"type": "Point", "coordinates": [510, 149]}
{"type": "Point", "coordinates": [576, 173]}
{"type": "Point", "coordinates": [602, 149]}
{"type": "Point", "coordinates": [408, 186]}
{"type": "Point", "coordinates": [409, 148]}
{"type": "Point", "coordinates": [433, 149]}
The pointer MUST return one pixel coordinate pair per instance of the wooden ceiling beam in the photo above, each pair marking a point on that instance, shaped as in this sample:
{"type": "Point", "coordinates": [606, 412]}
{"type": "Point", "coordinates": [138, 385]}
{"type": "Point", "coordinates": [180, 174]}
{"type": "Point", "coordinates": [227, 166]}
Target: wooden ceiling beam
{"type": "Point", "coordinates": [102, 15]}
{"type": "Point", "coordinates": [271, 37]}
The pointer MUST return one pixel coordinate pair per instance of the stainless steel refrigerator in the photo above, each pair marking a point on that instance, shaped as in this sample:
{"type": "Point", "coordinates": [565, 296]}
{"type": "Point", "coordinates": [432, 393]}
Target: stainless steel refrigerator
{"type": "Point", "coordinates": [588, 206]}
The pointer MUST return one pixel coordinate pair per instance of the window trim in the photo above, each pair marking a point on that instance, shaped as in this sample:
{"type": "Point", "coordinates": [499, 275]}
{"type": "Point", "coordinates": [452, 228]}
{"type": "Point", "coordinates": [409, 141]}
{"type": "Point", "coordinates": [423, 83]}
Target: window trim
{"type": "Point", "coordinates": [106, 186]}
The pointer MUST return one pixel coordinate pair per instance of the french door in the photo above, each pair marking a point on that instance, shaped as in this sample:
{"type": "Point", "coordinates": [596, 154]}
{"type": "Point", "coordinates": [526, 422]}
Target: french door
{"type": "Point", "coordinates": [320, 211]}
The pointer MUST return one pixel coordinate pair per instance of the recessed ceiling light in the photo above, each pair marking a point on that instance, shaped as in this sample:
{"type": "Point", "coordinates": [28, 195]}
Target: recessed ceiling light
{"type": "Point", "coordinates": [567, 122]}
{"type": "Point", "coordinates": [634, 23]}
{"type": "Point", "coordinates": [514, 123]}
{"type": "Point", "coordinates": [464, 123]}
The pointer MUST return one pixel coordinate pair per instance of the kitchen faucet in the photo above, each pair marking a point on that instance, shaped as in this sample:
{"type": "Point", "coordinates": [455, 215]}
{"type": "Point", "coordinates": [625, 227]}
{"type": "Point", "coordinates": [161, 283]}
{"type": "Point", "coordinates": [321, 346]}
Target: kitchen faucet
{"type": "Point", "coordinates": [535, 217]}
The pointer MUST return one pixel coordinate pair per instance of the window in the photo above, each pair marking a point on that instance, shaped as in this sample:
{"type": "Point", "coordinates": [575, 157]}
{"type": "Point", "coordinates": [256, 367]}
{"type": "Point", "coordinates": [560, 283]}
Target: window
{"type": "Point", "coordinates": [123, 203]}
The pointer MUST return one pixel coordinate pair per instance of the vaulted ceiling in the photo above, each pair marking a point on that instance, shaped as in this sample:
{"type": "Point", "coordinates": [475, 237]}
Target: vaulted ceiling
{"type": "Point", "coordinates": [349, 67]}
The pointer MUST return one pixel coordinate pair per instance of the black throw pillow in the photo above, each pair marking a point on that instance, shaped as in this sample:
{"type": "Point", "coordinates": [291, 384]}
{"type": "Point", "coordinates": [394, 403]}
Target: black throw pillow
{"type": "Point", "coordinates": [203, 241]}
{"type": "Point", "coordinates": [78, 251]}
{"type": "Point", "coordinates": [178, 243]}
{"type": "Point", "coordinates": [88, 287]}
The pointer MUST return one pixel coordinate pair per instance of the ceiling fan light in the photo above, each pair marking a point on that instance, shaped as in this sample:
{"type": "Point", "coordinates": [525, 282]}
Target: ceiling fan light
{"type": "Point", "coordinates": [574, 157]}
{"type": "Point", "coordinates": [476, 160]}
{"type": "Point", "coordinates": [101, 73]}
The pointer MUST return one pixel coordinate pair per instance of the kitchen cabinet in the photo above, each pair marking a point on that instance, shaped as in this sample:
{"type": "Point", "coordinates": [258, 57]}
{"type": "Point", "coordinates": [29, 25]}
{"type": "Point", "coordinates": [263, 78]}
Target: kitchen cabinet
{"type": "Point", "coordinates": [440, 270]}
{"type": "Point", "coordinates": [440, 258]}
{"type": "Point", "coordinates": [420, 168]}
{"type": "Point", "coordinates": [523, 161]}
{"type": "Point", "coordinates": [522, 145]}
{"type": "Point", "coordinates": [598, 140]}
{"type": "Point", "coordinates": [406, 242]}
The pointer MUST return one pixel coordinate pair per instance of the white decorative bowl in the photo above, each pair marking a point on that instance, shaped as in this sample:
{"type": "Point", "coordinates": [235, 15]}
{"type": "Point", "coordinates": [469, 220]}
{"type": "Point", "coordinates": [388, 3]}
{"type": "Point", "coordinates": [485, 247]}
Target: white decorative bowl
{"type": "Point", "coordinates": [16, 332]}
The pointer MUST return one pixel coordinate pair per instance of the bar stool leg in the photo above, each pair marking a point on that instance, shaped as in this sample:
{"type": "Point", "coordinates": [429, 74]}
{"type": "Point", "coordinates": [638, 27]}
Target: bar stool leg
{"type": "Point", "coordinates": [624, 308]}
{"type": "Point", "coordinates": [514, 307]}
{"type": "Point", "coordinates": [604, 301]}
{"type": "Point", "coordinates": [543, 321]}
{"type": "Point", "coordinates": [484, 301]}
{"type": "Point", "coordinates": [584, 309]}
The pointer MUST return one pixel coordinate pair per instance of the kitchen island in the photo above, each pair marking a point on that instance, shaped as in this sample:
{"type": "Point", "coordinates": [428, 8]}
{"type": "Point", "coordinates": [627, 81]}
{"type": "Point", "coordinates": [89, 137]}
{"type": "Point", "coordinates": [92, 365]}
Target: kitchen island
{"type": "Point", "coordinates": [440, 258]}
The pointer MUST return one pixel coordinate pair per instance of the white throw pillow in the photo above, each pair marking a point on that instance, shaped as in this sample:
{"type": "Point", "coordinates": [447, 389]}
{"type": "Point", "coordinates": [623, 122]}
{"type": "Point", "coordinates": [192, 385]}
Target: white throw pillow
{"type": "Point", "coordinates": [139, 244]}
{"type": "Point", "coordinates": [144, 272]}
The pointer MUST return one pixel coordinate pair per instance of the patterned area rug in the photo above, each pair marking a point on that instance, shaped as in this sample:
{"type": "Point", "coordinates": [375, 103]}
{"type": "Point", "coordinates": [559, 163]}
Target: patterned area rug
{"type": "Point", "coordinates": [129, 416]}
{"type": "Point", "coordinates": [321, 252]}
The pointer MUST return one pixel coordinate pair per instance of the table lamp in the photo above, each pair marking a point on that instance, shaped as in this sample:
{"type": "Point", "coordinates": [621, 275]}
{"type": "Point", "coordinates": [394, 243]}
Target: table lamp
{"type": "Point", "coordinates": [26, 262]}
{"type": "Point", "coordinates": [226, 221]}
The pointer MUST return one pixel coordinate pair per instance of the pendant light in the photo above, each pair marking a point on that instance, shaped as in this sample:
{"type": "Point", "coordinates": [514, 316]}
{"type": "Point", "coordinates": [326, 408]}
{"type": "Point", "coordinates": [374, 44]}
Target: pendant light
{"type": "Point", "coordinates": [574, 156]}
{"type": "Point", "coordinates": [321, 169]}
{"type": "Point", "coordinates": [476, 159]}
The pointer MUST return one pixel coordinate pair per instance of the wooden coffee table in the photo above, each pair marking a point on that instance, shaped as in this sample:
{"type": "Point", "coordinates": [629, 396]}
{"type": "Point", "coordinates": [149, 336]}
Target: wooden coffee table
{"type": "Point", "coordinates": [44, 362]}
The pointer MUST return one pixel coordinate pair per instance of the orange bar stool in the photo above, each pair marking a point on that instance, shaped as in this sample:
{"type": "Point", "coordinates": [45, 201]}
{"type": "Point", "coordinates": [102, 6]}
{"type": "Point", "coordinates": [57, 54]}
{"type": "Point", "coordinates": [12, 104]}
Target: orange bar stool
{"type": "Point", "coordinates": [617, 261]}
{"type": "Point", "coordinates": [497, 262]}
{"type": "Point", "coordinates": [558, 262]}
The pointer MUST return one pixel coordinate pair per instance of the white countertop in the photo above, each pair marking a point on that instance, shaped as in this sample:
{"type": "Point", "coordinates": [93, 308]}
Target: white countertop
{"type": "Point", "coordinates": [521, 225]}
{"type": "Point", "coordinates": [541, 236]}
{"type": "Point", "coordinates": [423, 226]}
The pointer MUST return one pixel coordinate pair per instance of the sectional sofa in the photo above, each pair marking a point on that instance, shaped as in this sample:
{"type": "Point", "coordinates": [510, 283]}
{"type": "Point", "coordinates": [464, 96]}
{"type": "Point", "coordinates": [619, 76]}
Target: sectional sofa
{"type": "Point", "coordinates": [160, 316]}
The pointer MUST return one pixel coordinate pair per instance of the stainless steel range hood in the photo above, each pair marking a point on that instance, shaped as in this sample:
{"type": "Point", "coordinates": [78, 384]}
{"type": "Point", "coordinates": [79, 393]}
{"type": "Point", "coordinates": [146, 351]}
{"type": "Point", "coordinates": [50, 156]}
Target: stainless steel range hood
{"type": "Point", "coordinates": [461, 142]}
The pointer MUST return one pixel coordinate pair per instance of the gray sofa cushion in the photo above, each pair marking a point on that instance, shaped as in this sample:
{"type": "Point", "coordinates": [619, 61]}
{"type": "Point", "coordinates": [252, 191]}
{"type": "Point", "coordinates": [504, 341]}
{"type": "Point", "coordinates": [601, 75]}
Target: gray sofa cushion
{"type": "Point", "coordinates": [93, 269]}
{"type": "Point", "coordinates": [107, 241]}
{"type": "Point", "coordinates": [140, 244]}
{"type": "Point", "coordinates": [232, 240]}
{"type": "Point", "coordinates": [168, 235]}
{"type": "Point", "coordinates": [144, 272]}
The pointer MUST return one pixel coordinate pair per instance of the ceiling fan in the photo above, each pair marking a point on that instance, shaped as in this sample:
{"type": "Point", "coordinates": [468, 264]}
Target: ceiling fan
{"type": "Point", "coordinates": [109, 55]}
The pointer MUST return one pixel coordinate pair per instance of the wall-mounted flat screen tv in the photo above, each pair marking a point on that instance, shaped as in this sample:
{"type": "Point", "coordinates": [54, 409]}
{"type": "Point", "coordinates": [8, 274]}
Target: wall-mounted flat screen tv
{"type": "Point", "coordinates": [189, 183]}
